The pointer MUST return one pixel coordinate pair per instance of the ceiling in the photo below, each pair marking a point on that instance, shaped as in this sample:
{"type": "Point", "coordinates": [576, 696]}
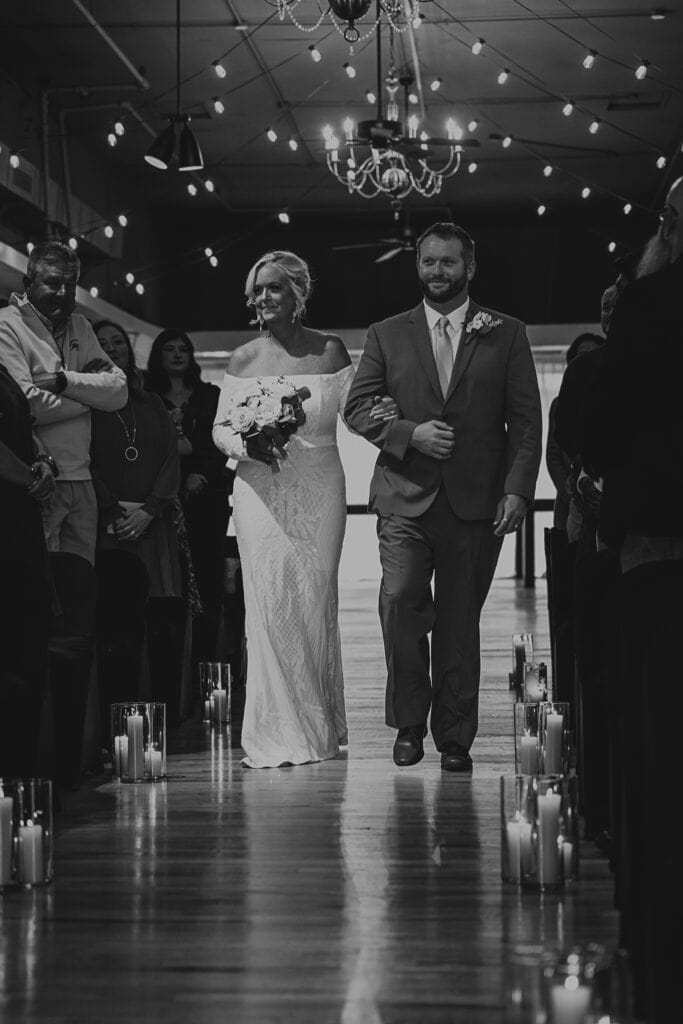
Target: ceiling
{"type": "Point", "coordinates": [101, 61]}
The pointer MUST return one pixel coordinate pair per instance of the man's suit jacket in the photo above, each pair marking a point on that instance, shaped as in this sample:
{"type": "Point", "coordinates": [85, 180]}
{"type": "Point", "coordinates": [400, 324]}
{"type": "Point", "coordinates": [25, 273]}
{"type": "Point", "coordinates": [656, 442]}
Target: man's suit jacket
{"type": "Point", "coordinates": [492, 404]}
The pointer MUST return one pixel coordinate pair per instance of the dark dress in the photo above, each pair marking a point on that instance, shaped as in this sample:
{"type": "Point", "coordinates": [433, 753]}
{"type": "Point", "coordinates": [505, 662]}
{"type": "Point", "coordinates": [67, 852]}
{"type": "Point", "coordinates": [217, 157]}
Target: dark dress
{"type": "Point", "coordinates": [152, 479]}
{"type": "Point", "coordinates": [206, 513]}
{"type": "Point", "coordinates": [24, 597]}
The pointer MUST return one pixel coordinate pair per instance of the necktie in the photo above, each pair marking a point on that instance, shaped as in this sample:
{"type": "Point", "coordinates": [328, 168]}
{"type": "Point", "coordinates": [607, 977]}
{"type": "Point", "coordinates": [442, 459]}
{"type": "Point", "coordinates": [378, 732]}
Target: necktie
{"type": "Point", "coordinates": [443, 353]}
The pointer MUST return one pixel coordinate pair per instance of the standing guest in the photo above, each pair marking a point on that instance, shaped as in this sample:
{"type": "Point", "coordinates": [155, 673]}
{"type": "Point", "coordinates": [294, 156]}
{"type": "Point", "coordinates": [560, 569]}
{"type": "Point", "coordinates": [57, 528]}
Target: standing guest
{"type": "Point", "coordinates": [26, 482]}
{"type": "Point", "coordinates": [290, 526]}
{"type": "Point", "coordinates": [636, 446]}
{"type": "Point", "coordinates": [205, 481]}
{"type": "Point", "coordinates": [56, 359]}
{"type": "Point", "coordinates": [455, 474]}
{"type": "Point", "coordinates": [136, 474]}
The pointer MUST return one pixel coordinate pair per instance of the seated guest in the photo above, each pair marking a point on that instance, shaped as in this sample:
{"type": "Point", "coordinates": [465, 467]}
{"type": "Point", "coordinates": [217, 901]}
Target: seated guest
{"type": "Point", "coordinates": [54, 356]}
{"type": "Point", "coordinates": [26, 482]}
{"type": "Point", "coordinates": [206, 483]}
{"type": "Point", "coordinates": [136, 475]}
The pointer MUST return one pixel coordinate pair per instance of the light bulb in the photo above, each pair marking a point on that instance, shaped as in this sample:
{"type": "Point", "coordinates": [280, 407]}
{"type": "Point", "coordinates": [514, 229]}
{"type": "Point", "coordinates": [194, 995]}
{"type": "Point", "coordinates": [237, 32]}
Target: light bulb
{"type": "Point", "coordinates": [73, 243]}
{"type": "Point", "coordinates": [348, 128]}
{"type": "Point", "coordinates": [349, 69]}
{"type": "Point", "coordinates": [661, 162]}
{"type": "Point", "coordinates": [140, 288]}
{"type": "Point", "coordinates": [659, 14]}
{"type": "Point", "coordinates": [627, 208]}
{"type": "Point", "coordinates": [271, 134]}
{"type": "Point", "coordinates": [503, 76]}
{"type": "Point", "coordinates": [123, 220]}
{"type": "Point", "coordinates": [109, 231]}
{"type": "Point", "coordinates": [540, 209]}
{"type": "Point", "coordinates": [328, 132]}
{"type": "Point", "coordinates": [507, 142]}
{"type": "Point", "coordinates": [472, 126]}
{"type": "Point", "coordinates": [283, 217]}
{"type": "Point", "coordinates": [477, 47]}
{"type": "Point", "coordinates": [94, 291]}
{"type": "Point", "coordinates": [589, 59]}
{"type": "Point", "coordinates": [213, 260]}
{"type": "Point", "coordinates": [594, 126]}
{"type": "Point", "coordinates": [548, 170]}
{"type": "Point", "coordinates": [111, 139]}
{"type": "Point", "coordinates": [192, 189]}
{"type": "Point", "coordinates": [208, 251]}
{"type": "Point", "coordinates": [219, 69]}
{"type": "Point", "coordinates": [119, 128]}
{"type": "Point", "coordinates": [218, 105]}
{"type": "Point", "coordinates": [413, 98]}
{"type": "Point", "coordinates": [472, 166]}
{"type": "Point", "coordinates": [209, 185]}
{"type": "Point", "coordinates": [370, 96]}
{"type": "Point", "coordinates": [29, 247]}
{"type": "Point", "coordinates": [641, 70]}
{"type": "Point", "coordinates": [585, 192]}
{"type": "Point", "coordinates": [293, 145]}
{"type": "Point", "coordinates": [130, 277]}
{"type": "Point", "coordinates": [315, 53]}
{"type": "Point", "coordinates": [611, 247]}
{"type": "Point", "coordinates": [435, 84]}
{"type": "Point", "coordinates": [453, 129]}
{"type": "Point", "coordinates": [14, 160]}
{"type": "Point", "coordinates": [413, 125]}
{"type": "Point", "coordinates": [568, 109]}
{"type": "Point", "coordinates": [417, 21]}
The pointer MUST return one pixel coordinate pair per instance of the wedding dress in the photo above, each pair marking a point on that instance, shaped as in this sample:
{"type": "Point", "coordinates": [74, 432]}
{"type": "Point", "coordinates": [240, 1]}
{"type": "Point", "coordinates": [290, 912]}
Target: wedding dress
{"type": "Point", "coordinates": [290, 527]}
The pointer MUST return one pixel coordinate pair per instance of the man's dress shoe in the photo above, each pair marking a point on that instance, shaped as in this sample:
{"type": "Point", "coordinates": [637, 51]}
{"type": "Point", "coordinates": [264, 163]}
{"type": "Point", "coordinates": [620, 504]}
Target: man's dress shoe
{"type": "Point", "coordinates": [455, 758]}
{"type": "Point", "coordinates": [409, 748]}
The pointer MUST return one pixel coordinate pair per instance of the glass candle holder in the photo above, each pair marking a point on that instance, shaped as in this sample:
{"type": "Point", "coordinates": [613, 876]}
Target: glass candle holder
{"type": "Point", "coordinates": [154, 757]}
{"type": "Point", "coordinates": [215, 678]}
{"type": "Point", "coordinates": [522, 651]}
{"type": "Point", "coordinates": [527, 737]}
{"type": "Point", "coordinates": [31, 831]}
{"type": "Point", "coordinates": [6, 833]}
{"type": "Point", "coordinates": [139, 740]}
{"type": "Point", "coordinates": [523, 981]}
{"type": "Point", "coordinates": [556, 753]}
{"type": "Point", "coordinates": [571, 992]}
{"type": "Point", "coordinates": [552, 808]}
{"type": "Point", "coordinates": [535, 682]}
{"type": "Point", "coordinates": [516, 828]}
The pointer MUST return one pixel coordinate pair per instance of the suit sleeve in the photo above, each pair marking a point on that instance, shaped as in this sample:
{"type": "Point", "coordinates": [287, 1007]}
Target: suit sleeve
{"type": "Point", "coordinates": [393, 437]}
{"type": "Point", "coordinates": [523, 419]}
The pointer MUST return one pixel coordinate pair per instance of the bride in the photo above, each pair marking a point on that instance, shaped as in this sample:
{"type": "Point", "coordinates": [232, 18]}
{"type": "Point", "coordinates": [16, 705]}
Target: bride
{"type": "Point", "coordinates": [290, 527]}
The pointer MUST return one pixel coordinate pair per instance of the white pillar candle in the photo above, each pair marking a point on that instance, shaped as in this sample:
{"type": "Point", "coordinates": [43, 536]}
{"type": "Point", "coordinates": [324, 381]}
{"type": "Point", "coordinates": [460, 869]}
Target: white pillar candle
{"type": "Point", "coordinates": [567, 859]}
{"type": "Point", "coordinates": [153, 763]}
{"type": "Point", "coordinates": [519, 848]}
{"type": "Point", "coordinates": [207, 710]}
{"type": "Point", "coordinates": [220, 706]}
{"type": "Point", "coordinates": [31, 868]}
{"type": "Point", "coordinates": [570, 1002]}
{"type": "Point", "coordinates": [135, 748]}
{"type": "Point", "coordinates": [6, 804]}
{"type": "Point", "coordinates": [553, 744]}
{"type": "Point", "coordinates": [120, 754]}
{"type": "Point", "coordinates": [529, 755]}
{"type": "Point", "coordinates": [548, 834]}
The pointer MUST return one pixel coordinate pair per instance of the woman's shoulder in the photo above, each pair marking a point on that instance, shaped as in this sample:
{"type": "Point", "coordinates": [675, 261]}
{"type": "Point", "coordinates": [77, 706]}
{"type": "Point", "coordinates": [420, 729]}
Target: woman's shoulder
{"type": "Point", "coordinates": [333, 350]}
{"type": "Point", "coordinates": [242, 358]}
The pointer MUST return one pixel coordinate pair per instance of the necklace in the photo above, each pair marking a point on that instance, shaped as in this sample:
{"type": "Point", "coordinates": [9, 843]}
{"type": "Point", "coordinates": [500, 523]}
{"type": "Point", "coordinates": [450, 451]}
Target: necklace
{"type": "Point", "coordinates": [130, 453]}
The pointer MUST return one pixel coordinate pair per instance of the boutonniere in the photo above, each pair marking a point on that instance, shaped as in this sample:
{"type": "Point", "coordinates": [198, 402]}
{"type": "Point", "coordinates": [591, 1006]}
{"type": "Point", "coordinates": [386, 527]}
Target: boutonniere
{"type": "Point", "coordinates": [483, 322]}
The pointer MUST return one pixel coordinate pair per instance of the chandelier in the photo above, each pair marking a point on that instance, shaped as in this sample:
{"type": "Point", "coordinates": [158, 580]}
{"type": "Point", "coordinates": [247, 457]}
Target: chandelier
{"type": "Point", "coordinates": [389, 155]}
{"type": "Point", "coordinates": [345, 13]}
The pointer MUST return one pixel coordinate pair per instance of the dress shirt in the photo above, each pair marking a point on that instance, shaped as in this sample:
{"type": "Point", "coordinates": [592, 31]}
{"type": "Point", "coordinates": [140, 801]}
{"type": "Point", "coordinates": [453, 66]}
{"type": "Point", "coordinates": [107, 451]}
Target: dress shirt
{"type": "Point", "coordinates": [456, 321]}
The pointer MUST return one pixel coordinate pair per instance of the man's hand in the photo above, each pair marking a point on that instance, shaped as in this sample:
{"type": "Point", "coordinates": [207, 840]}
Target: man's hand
{"type": "Point", "coordinates": [133, 524]}
{"type": "Point", "coordinates": [589, 494]}
{"type": "Point", "coordinates": [98, 365]}
{"type": "Point", "coordinates": [434, 438]}
{"type": "Point", "coordinates": [195, 483]}
{"type": "Point", "coordinates": [384, 409]}
{"type": "Point", "coordinates": [257, 452]}
{"type": "Point", "coordinates": [54, 383]}
{"type": "Point", "coordinates": [510, 513]}
{"type": "Point", "coordinates": [44, 484]}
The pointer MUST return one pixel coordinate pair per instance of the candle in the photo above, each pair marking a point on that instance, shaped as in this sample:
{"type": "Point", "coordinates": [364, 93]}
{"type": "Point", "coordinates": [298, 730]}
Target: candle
{"type": "Point", "coordinates": [570, 1002]}
{"type": "Point", "coordinates": [120, 753]}
{"type": "Point", "coordinates": [519, 848]}
{"type": "Point", "coordinates": [31, 868]}
{"type": "Point", "coordinates": [135, 758]}
{"type": "Point", "coordinates": [553, 744]}
{"type": "Point", "coordinates": [153, 763]}
{"type": "Point", "coordinates": [529, 754]}
{"type": "Point", "coordinates": [532, 684]}
{"type": "Point", "coordinates": [207, 710]}
{"type": "Point", "coordinates": [567, 859]}
{"type": "Point", "coordinates": [220, 706]}
{"type": "Point", "coordinates": [548, 834]}
{"type": "Point", "coordinates": [6, 804]}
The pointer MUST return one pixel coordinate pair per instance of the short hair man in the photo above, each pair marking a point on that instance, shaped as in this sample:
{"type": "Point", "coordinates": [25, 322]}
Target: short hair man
{"type": "Point", "coordinates": [455, 473]}
{"type": "Point", "coordinates": [54, 356]}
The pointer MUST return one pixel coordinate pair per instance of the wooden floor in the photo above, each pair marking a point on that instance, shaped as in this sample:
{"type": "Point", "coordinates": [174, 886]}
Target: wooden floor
{"type": "Point", "coordinates": [348, 891]}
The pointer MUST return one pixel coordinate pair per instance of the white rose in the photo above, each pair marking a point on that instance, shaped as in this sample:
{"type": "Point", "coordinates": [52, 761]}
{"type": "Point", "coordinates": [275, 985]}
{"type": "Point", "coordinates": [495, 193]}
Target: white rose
{"type": "Point", "coordinates": [242, 419]}
{"type": "Point", "coordinates": [282, 388]}
{"type": "Point", "coordinates": [268, 412]}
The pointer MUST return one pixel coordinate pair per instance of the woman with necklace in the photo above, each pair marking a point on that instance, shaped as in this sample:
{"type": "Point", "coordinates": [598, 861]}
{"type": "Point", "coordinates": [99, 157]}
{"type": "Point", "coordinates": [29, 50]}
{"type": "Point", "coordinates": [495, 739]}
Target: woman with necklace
{"type": "Point", "coordinates": [136, 474]}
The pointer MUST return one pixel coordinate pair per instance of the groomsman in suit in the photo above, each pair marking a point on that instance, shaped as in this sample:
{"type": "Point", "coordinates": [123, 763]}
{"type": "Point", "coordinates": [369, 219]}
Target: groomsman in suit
{"type": "Point", "coordinates": [455, 473]}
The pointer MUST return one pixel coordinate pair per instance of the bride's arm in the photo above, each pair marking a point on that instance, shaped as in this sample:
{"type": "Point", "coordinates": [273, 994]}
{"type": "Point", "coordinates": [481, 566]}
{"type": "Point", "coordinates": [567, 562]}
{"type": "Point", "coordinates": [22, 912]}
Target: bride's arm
{"type": "Point", "coordinates": [224, 437]}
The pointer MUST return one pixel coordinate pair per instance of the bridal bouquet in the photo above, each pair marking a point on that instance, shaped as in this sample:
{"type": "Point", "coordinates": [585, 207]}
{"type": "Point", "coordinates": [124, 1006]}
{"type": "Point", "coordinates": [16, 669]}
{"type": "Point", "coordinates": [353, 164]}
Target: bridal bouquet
{"type": "Point", "coordinates": [267, 415]}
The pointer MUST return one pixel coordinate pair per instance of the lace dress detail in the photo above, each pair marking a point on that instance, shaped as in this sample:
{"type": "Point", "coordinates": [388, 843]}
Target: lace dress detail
{"type": "Point", "coordinates": [290, 529]}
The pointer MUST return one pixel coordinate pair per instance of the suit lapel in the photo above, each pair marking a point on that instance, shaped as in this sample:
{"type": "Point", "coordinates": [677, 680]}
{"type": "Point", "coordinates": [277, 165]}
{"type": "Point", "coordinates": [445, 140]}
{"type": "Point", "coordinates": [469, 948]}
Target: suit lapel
{"type": "Point", "coordinates": [422, 344]}
{"type": "Point", "coordinates": [468, 343]}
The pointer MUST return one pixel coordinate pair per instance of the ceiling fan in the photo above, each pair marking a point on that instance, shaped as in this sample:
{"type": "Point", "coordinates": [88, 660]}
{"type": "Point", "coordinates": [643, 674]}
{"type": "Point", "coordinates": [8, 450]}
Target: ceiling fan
{"type": "Point", "coordinates": [392, 246]}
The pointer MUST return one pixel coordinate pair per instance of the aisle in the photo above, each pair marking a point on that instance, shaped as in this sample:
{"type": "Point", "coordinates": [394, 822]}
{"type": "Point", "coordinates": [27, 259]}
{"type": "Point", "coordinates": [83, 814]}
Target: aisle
{"type": "Point", "coordinates": [347, 891]}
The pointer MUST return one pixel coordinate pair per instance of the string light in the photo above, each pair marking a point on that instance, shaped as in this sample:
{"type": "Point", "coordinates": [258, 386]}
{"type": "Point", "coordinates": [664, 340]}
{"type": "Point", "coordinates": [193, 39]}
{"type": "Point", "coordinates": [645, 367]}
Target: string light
{"type": "Point", "coordinates": [503, 76]}
{"type": "Point", "coordinates": [73, 243]}
{"type": "Point", "coordinates": [413, 98]}
{"type": "Point", "coordinates": [472, 166]}
{"type": "Point", "coordinates": [477, 47]}
{"type": "Point", "coordinates": [315, 53]}
{"type": "Point", "coordinates": [208, 252]}
{"type": "Point", "coordinates": [119, 128]}
{"type": "Point", "coordinates": [283, 217]}
{"type": "Point", "coordinates": [192, 189]}
{"type": "Point", "coordinates": [585, 192]}
{"type": "Point", "coordinates": [594, 126]}
{"type": "Point", "coordinates": [435, 84]}
{"type": "Point", "coordinates": [219, 69]}
{"type": "Point", "coordinates": [209, 185]}
{"type": "Point", "coordinates": [140, 288]}
{"type": "Point", "coordinates": [112, 140]}
{"type": "Point", "coordinates": [293, 144]}
{"type": "Point", "coordinates": [627, 208]}
{"type": "Point", "coordinates": [568, 109]}
{"type": "Point", "coordinates": [641, 70]}
{"type": "Point", "coordinates": [661, 162]}
{"type": "Point", "coordinates": [109, 231]}
{"type": "Point", "coordinates": [540, 209]}
{"type": "Point", "coordinates": [418, 21]}
{"type": "Point", "coordinates": [370, 96]}
{"type": "Point", "coordinates": [29, 247]}
{"type": "Point", "coordinates": [548, 170]}
{"type": "Point", "coordinates": [589, 59]}
{"type": "Point", "coordinates": [271, 134]}
{"type": "Point", "coordinates": [218, 105]}
{"type": "Point", "coordinates": [123, 220]}
{"type": "Point", "coordinates": [349, 69]}
{"type": "Point", "coordinates": [94, 291]}
{"type": "Point", "coordinates": [130, 277]}
{"type": "Point", "coordinates": [213, 260]}
{"type": "Point", "coordinates": [612, 247]}
{"type": "Point", "coordinates": [507, 142]}
{"type": "Point", "coordinates": [14, 160]}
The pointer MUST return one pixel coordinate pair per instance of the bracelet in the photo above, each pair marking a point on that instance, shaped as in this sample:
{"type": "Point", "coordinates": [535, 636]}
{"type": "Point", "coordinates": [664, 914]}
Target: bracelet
{"type": "Point", "coordinates": [49, 461]}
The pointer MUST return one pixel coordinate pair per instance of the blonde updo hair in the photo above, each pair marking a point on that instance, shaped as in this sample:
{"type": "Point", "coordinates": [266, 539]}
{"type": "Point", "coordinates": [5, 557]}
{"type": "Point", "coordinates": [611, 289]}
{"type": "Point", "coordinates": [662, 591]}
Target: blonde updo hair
{"type": "Point", "coordinates": [295, 270]}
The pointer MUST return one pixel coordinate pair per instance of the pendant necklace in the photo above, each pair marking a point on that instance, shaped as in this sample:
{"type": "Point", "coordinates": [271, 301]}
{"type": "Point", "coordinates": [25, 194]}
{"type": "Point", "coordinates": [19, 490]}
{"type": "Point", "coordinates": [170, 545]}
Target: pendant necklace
{"type": "Point", "coordinates": [130, 453]}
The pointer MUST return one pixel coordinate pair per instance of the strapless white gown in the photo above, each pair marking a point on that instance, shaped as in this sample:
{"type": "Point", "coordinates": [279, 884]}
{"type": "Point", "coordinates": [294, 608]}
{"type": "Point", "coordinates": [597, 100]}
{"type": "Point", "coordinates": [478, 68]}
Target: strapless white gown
{"type": "Point", "coordinates": [290, 527]}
